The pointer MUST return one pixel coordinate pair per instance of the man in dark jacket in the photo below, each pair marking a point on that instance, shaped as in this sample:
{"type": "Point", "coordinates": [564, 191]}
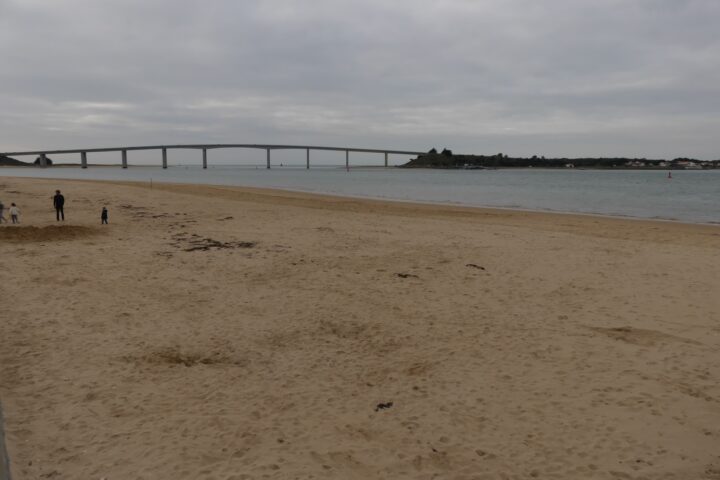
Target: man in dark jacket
{"type": "Point", "coordinates": [59, 203]}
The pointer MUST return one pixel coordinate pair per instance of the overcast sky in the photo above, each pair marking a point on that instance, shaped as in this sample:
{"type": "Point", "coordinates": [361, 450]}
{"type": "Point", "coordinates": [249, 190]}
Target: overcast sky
{"type": "Point", "coordinates": [548, 77]}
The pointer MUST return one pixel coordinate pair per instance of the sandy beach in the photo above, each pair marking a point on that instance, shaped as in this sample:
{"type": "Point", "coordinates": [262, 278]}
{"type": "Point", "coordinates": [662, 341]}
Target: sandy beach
{"type": "Point", "coordinates": [233, 333]}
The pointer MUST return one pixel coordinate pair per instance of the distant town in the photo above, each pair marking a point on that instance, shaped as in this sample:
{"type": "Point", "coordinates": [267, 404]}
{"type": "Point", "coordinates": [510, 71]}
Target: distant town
{"type": "Point", "coordinates": [446, 159]}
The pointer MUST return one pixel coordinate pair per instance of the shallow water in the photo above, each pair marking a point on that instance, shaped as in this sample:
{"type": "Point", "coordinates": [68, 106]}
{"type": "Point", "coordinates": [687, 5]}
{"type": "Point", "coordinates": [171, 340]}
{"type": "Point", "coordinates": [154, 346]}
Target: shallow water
{"type": "Point", "coordinates": [690, 196]}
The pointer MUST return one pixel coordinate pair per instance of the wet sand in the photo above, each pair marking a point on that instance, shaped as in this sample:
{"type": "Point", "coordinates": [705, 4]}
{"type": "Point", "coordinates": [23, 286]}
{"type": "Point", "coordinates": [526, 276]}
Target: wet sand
{"type": "Point", "coordinates": [235, 333]}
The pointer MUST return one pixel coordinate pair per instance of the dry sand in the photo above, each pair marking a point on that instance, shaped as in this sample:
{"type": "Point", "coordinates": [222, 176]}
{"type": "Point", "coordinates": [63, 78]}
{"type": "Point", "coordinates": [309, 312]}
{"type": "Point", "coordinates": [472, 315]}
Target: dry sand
{"type": "Point", "coordinates": [227, 333]}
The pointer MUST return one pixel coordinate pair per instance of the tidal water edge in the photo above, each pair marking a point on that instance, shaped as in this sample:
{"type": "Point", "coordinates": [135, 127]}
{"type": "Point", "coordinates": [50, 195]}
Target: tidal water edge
{"type": "Point", "coordinates": [689, 196]}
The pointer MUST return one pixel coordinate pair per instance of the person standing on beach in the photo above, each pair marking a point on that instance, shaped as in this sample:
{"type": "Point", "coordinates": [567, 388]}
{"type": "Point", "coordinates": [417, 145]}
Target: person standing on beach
{"type": "Point", "coordinates": [2, 217]}
{"type": "Point", "coordinates": [59, 203]}
{"type": "Point", "coordinates": [104, 216]}
{"type": "Point", "coordinates": [14, 213]}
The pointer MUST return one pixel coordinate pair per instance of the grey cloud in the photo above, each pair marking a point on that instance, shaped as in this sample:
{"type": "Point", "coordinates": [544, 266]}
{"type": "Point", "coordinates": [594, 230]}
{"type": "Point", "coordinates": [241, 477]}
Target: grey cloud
{"type": "Point", "coordinates": [565, 77]}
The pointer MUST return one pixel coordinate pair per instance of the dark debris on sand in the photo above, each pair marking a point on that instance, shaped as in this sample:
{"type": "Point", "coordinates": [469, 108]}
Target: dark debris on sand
{"type": "Point", "coordinates": [206, 244]}
{"type": "Point", "coordinates": [406, 275]}
{"type": "Point", "coordinates": [383, 406]}
{"type": "Point", "coordinates": [472, 265]}
{"type": "Point", "coordinates": [195, 243]}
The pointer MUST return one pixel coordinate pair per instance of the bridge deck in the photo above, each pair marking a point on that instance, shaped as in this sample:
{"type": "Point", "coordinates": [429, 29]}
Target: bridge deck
{"type": "Point", "coordinates": [210, 147]}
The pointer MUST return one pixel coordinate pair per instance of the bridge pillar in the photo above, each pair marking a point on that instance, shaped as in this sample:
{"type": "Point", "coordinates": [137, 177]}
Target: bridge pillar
{"type": "Point", "coordinates": [124, 159]}
{"type": "Point", "coordinates": [43, 160]}
{"type": "Point", "coordinates": [347, 159]}
{"type": "Point", "coordinates": [204, 157]}
{"type": "Point", "coordinates": [268, 158]}
{"type": "Point", "coordinates": [83, 159]}
{"type": "Point", "coordinates": [164, 157]}
{"type": "Point", "coordinates": [307, 158]}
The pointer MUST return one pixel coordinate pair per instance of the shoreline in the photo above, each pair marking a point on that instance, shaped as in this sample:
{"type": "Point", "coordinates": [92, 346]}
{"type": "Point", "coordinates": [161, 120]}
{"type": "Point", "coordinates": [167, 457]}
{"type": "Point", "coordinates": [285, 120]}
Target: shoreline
{"type": "Point", "coordinates": [449, 205]}
{"type": "Point", "coordinates": [398, 166]}
{"type": "Point", "coordinates": [389, 200]}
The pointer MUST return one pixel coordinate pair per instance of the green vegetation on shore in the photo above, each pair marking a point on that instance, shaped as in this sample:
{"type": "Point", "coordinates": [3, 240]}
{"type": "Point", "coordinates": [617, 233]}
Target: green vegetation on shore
{"type": "Point", "coordinates": [446, 159]}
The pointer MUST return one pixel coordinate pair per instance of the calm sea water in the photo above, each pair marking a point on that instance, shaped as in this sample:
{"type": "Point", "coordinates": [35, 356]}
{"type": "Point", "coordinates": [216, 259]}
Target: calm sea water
{"type": "Point", "coordinates": [690, 196]}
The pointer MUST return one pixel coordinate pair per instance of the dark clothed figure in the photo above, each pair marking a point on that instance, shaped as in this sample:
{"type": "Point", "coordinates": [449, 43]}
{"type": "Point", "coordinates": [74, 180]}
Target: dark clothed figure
{"type": "Point", "coordinates": [104, 216]}
{"type": "Point", "coordinates": [59, 203]}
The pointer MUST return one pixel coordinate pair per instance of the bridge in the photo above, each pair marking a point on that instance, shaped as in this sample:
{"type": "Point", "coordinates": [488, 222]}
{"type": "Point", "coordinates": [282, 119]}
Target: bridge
{"type": "Point", "coordinates": [164, 148]}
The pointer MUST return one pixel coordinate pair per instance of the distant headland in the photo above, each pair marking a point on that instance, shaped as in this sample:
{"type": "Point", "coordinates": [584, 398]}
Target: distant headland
{"type": "Point", "coordinates": [446, 159]}
{"type": "Point", "coordinates": [13, 162]}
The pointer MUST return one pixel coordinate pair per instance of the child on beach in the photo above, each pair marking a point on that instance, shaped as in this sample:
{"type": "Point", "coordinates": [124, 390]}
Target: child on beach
{"type": "Point", "coordinates": [14, 212]}
{"type": "Point", "coordinates": [104, 216]}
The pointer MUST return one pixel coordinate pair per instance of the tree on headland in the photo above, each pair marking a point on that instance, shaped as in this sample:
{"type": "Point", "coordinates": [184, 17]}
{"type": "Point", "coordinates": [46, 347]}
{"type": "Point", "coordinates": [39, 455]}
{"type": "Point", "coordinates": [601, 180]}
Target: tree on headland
{"type": "Point", "coordinates": [446, 159]}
